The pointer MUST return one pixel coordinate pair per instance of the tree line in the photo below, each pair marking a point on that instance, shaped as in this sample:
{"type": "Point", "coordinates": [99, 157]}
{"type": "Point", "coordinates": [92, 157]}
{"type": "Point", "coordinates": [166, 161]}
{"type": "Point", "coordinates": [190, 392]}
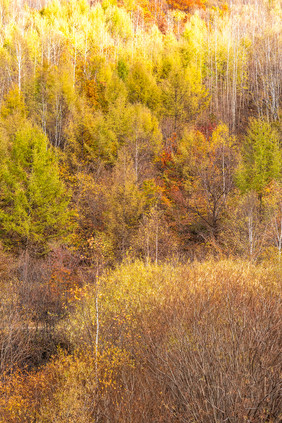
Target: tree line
{"type": "Point", "coordinates": [152, 128]}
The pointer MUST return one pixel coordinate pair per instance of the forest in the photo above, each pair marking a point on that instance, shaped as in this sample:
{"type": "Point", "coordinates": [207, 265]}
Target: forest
{"type": "Point", "coordinates": [140, 211]}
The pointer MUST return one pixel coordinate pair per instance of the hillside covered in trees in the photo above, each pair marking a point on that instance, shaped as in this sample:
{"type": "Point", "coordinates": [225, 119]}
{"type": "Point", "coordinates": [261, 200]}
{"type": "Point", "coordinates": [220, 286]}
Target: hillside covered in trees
{"type": "Point", "coordinates": [138, 136]}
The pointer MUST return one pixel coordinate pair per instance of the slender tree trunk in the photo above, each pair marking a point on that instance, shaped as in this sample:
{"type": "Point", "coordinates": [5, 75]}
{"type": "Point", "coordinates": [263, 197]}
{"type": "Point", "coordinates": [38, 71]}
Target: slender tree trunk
{"type": "Point", "coordinates": [157, 243]}
{"type": "Point", "coordinates": [250, 227]}
{"type": "Point", "coordinates": [97, 324]}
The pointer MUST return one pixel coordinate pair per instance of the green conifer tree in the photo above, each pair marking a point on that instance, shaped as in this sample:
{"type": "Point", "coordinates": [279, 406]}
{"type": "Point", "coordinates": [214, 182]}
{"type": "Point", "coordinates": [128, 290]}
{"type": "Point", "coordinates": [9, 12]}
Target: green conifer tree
{"type": "Point", "coordinates": [261, 158]}
{"type": "Point", "coordinates": [33, 199]}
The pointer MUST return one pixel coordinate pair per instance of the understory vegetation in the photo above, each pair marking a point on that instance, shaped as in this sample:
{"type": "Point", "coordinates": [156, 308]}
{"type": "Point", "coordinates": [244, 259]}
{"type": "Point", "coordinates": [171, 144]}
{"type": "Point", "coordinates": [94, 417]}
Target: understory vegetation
{"type": "Point", "coordinates": [197, 342]}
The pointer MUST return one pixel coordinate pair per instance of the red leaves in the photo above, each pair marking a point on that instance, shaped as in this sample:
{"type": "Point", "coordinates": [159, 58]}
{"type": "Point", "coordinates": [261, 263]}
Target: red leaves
{"type": "Point", "coordinates": [207, 128]}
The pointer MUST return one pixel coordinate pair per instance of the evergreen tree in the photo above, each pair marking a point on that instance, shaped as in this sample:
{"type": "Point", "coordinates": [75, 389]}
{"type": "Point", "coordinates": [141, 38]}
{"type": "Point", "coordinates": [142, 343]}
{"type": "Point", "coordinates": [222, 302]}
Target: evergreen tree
{"type": "Point", "coordinates": [33, 199]}
{"type": "Point", "coordinates": [261, 158]}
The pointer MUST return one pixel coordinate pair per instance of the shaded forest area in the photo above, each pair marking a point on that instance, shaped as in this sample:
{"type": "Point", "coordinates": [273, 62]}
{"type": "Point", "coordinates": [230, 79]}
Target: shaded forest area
{"type": "Point", "coordinates": [138, 136]}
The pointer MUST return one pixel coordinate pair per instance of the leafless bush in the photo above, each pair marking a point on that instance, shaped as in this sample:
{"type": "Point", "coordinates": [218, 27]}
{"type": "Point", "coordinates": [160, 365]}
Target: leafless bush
{"type": "Point", "coordinates": [205, 355]}
{"type": "Point", "coordinates": [220, 360]}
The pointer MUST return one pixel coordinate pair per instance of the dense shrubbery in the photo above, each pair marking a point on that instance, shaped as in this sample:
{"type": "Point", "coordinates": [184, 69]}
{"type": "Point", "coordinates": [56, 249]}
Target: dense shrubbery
{"type": "Point", "coordinates": [194, 342]}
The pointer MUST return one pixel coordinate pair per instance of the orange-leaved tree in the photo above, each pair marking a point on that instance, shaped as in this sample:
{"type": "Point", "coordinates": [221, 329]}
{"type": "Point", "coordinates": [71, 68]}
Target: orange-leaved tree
{"type": "Point", "coordinates": [186, 5]}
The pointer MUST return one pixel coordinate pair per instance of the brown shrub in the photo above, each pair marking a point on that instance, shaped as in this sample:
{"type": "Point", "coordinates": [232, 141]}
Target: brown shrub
{"type": "Point", "coordinates": [196, 343]}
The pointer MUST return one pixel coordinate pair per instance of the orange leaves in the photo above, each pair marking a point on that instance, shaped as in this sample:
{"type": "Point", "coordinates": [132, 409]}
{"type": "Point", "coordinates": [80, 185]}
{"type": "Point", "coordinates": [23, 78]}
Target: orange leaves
{"type": "Point", "coordinates": [90, 84]}
{"type": "Point", "coordinates": [154, 12]}
{"type": "Point", "coordinates": [166, 201]}
{"type": "Point", "coordinates": [165, 158]}
{"type": "Point", "coordinates": [225, 8]}
{"type": "Point", "coordinates": [65, 386]}
{"type": "Point", "coordinates": [21, 394]}
{"type": "Point", "coordinates": [186, 5]}
{"type": "Point", "coordinates": [87, 83]}
{"type": "Point", "coordinates": [62, 280]}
